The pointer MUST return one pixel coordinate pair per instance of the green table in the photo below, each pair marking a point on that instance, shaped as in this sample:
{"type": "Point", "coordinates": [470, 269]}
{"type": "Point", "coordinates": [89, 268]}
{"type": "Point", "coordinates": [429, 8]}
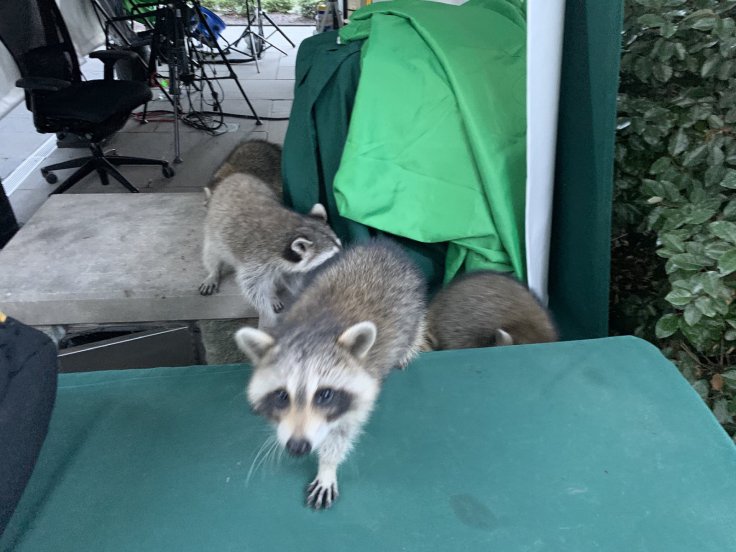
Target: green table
{"type": "Point", "coordinates": [578, 446]}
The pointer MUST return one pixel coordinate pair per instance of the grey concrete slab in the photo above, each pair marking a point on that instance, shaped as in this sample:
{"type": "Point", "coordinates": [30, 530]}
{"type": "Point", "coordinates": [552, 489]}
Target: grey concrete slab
{"type": "Point", "coordinates": [27, 202]}
{"type": "Point", "coordinates": [286, 72]}
{"type": "Point", "coordinates": [119, 258]}
{"type": "Point", "coordinates": [281, 108]}
{"type": "Point", "coordinates": [8, 165]}
{"type": "Point", "coordinates": [277, 131]}
{"type": "Point", "coordinates": [268, 89]}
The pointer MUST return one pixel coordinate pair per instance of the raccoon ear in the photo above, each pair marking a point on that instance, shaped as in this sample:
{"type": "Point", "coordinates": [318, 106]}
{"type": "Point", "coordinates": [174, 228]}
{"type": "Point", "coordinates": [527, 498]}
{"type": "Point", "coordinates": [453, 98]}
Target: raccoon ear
{"type": "Point", "coordinates": [254, 343]}
{"type": "Point", "coordinates": [359, 338]}
{"type": "Point", "coordinates": [300, 246]}
{"type": "Point", "coordinates": [318, 211]}
{"type": "Point", "coordinates": [503, 338]}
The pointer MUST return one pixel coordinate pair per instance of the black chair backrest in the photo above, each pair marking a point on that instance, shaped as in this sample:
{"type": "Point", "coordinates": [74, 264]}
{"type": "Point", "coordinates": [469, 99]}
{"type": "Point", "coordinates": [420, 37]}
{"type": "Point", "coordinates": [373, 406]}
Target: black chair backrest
{"type": "Point", "coordinates": [36, 36]}
{"type": "Point", "coordinates": [117, 33]}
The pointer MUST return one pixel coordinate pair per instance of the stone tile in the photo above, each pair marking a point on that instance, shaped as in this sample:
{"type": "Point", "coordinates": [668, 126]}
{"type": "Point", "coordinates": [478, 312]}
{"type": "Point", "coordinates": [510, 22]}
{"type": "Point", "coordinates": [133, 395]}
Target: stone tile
{"type": "Point", "coordinates": [26, 202]}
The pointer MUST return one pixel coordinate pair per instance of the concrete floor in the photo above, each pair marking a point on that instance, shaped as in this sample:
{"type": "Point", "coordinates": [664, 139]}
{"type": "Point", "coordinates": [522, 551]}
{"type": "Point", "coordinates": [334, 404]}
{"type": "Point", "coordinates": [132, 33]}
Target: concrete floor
{"type": "Point", "coordinates": [270, 91]}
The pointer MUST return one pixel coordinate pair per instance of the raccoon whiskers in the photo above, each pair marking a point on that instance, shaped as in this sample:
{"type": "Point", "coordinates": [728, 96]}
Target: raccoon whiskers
{"type": "Point", "coordinates": [269, 445]}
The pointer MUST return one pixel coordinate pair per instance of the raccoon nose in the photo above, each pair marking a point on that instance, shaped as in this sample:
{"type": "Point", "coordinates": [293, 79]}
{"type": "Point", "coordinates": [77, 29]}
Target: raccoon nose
{"type": "Point", "coordinates": [298, 447]}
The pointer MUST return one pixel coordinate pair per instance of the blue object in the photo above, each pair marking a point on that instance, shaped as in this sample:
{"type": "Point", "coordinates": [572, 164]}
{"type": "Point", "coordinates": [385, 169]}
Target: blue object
{"type": "Point", "coordinates": [215, 24]}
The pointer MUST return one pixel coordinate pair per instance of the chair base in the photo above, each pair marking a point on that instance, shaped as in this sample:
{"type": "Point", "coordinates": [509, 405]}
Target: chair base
{"type": "Point", "coordinates": [104, 165]}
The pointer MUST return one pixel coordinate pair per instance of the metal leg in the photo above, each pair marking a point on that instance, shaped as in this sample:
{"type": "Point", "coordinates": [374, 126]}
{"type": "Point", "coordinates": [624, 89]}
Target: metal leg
{"type": "Point", "coordinates": [278, 29]}
{"type": "Point", "coordinates": [103, 176]}
{"type": "Point", "coordinates": [78, 175]}
{"type": "Point", "coordinates": [126, 160]}
{"type": "Point", "coordinates": [119, 177]}
{"type": "Point", "coordinates": [71, 164]}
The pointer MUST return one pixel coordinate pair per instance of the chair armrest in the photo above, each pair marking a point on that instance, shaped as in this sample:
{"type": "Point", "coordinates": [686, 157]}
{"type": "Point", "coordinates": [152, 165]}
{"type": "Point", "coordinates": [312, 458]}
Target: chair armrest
{"type": "Point", "coordinates": [42, 83]}
{"type": "Point", "coordinates": [110, 57]}
{"type": "Point", "coordinates": [107, 56]}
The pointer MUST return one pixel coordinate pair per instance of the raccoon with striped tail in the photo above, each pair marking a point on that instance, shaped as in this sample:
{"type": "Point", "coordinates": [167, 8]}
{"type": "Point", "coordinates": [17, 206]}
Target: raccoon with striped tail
{"type": "Point", "coordinates": [248, 229]}
{"type": "Point", "coordinates": [484, 309]}
{"type": "Point", "coordinates": [318, 373]}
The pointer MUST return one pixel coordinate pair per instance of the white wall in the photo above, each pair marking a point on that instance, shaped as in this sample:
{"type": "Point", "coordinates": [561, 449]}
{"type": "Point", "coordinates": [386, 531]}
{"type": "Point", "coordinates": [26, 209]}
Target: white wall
{"type": "Point", "coordinates": [545, 24]}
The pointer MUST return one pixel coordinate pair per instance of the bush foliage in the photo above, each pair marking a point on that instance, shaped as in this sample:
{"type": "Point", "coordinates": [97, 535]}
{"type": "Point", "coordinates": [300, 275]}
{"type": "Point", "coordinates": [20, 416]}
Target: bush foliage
{"type": "Point", "coordinates": [675, 190]}
{"type": "Point", "coordinates": [238, 6]}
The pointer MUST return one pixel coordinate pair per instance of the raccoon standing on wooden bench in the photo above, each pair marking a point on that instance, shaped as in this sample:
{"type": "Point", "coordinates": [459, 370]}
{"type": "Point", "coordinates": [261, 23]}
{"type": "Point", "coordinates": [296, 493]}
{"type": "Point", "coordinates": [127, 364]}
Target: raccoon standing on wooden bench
{"type": "Point", "coordinates": [259, 158]}
{"type": "Point", "coordinates": [247, 228]}
{"type": "Point", "coordinates": [319, 371]}
{"type": "Point", "coordinates": [485, 308]}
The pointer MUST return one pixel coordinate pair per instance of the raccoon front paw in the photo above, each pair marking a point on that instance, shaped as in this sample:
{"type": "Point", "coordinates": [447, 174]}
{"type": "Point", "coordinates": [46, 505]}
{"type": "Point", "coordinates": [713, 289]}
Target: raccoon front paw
{"type": "Point", "coordinates": [209, 286]}
{"type": "Point", "coordinates": [277, 306]}
{"type": "Point", "coordinates": [321, 495]}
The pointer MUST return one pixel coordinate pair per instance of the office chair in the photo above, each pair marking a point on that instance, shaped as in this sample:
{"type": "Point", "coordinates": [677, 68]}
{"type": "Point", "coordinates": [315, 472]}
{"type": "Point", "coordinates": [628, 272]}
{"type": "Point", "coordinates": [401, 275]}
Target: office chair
{"type": "Point", "coordinates": [34, 33]}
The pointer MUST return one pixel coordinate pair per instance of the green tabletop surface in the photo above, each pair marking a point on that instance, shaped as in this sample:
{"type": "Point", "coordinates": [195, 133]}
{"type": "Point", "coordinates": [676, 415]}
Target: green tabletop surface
{"type": "Point", "coordinates": [594, 445]}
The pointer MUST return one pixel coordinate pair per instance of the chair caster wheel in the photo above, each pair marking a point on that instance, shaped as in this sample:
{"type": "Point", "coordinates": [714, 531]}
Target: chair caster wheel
{"type": "Point", "coordinates": [167, 171]}
{"type": "Point", "coordinates": [51, 178]}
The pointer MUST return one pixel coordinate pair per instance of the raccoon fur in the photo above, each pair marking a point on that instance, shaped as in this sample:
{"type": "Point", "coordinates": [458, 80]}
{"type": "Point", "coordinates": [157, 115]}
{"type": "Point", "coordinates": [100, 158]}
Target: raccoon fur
{"type": "Point", "coordinates": [485, 308]}
{"type": "Point", "coordinates": [249, 230]}
{"type": "Point", "coordinates": [318, 372]}
{"type": "Point", "coordinates": [259, 158]}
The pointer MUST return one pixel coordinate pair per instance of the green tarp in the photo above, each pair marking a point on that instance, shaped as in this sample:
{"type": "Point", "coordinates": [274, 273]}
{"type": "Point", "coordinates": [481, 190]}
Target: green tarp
{"type": "Point", "coordinates": [437, 140]}
{"type": "Point", "coordinates": [327, 77]}
{"type": "Point", "coordinates": [579, 446]}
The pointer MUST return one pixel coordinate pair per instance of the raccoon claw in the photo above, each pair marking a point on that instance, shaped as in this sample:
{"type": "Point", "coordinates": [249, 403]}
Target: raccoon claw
{"type": "Point", "coordinates": [208, 287]}
{"type": "Point", "coordinates": [277, 307]}
{"type": "Point", "coordinates": [320, 496]}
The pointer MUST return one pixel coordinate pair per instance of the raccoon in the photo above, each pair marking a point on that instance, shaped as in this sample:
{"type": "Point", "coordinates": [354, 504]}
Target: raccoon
{"type": "Point", "coordinates": [246, 228]}
{"type": "Point", "coordinates": [485, 308]}
{"type": "Point", "coordinates": [259, 158]}
{"type": "Point", "coordinates": [318, 372]}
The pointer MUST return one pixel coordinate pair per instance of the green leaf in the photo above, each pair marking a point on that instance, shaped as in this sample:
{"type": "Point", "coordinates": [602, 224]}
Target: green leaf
{"type": "Point", "coordinates": [730, 376]}
{"type": "Point", "coordinates": [660, 165]}
{"type": "Point", "coordinates": [692, 315]}
{"type": "Point", "coordinates": [727, 262]}
{"type": "Point", "coordinates": [704, 24]}
{"type": "Point", "coordinates": [729, 179]}
{"type": "Point", "coordinates": [687, 261]}
{"type": "Point", "coordinates": [673, 242]}
{"type": "Point", "coordinates": [706, 306]}
{"type": "Point", "coordinates": [716, 250]}
{"type": "Point", "coordinates": [678, 143]}
{"type": "Point", "coordinates": [720, 411]}
{"type": "Point", "coordinates": [723, 229]}
{"type": "Point", "coordinates": [696, 156]}
{"type": "Point", "coordinates": [679, 297]}
{"type": "Point", "coordinates": [662, 72]}
{"type": "Point", "coordinates": [680, 51]}
{"type": "Point", "coordinates": [702, 388]}
{"type": "Point", "coordinates": [729, 211]}
{"type": "Point", "coordinates": [710, 66]}
{"type": "Point", "coordinates": [651, 20]}
{"type": "Point", "coordinates": [667, 325]}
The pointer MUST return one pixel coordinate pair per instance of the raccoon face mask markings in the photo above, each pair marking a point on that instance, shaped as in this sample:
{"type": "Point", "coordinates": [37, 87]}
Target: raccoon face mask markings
{"type": "Point", "coordinates": [333, 402]}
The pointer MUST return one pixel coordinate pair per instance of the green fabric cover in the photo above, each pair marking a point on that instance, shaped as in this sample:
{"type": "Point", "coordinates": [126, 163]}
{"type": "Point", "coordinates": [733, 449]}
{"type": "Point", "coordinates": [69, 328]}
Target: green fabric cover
{"type": "Point", "coordinates": [579, 446]}
{"type": "Point", "coordinates": [580, 252]}
{"type": "Point", "coordinates": [324, 92]}
{"type": "Point", "coordinates": [436, 150]}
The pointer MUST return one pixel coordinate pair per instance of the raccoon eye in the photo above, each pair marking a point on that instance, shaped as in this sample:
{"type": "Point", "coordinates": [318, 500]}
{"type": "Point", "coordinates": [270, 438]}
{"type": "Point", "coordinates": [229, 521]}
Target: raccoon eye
{"type": "Point", "coordinates": [324, 396]}
{"type": "Point", "coordinates": [280, 398]}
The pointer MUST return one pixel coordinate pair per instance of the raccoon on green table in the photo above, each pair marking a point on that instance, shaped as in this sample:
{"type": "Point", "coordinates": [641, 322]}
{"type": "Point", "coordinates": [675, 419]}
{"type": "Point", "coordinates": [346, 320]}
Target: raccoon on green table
{"type": "Point", "coordinates": [485, 309]}
{"type": "Point", "coordinates": [318, 372]}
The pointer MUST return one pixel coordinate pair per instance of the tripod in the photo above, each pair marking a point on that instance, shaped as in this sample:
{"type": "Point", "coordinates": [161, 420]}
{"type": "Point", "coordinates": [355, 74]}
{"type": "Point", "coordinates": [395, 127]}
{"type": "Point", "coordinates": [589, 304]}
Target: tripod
{"type": "Point", "coordinates": [172, 44]}
{"type": "Point", "coordinates": [256, 37]}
